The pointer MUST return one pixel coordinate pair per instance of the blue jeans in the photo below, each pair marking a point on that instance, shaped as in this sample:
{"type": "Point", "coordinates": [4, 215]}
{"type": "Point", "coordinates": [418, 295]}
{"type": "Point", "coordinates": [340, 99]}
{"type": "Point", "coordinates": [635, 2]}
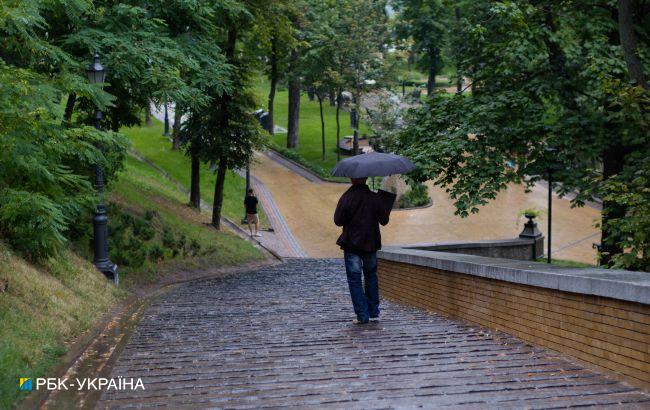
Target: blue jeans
{"type": "Point", "coordinates": [366, 304]}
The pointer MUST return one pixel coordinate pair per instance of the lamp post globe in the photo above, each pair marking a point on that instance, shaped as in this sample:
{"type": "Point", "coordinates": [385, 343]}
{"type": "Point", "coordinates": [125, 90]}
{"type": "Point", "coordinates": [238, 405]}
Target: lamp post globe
{"type": "Point", "coordinates": [96, 75]}
{"type": "Point", "coordinates": [95, 71]}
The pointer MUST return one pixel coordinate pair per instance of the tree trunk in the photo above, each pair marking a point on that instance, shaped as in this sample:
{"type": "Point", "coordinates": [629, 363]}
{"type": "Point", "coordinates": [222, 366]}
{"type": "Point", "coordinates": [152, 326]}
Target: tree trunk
{"type": "Point", "coordinates": [115, 122]}
{"type": "Point", "coordinates": [355, 119]}
{"type": "Point", "coordinates": [614, 156]}
{"type": "Point", "coordinates": [69, 107]}
{"type": "Point", "coordinates": [332, 97]}
{"type": "Point", "coordinates": [431, 81]}
{"type": "Point", "coordinates": [294, 113]}
{"type": "Point", "coordinates": [338, 124]}
{"type": "Point", "coordinates": [459, 77]}
{"type": "Point", "coordinates": [176, 130]}
{"type": "Point", "coordinates": [195, 184]}
{"type": "Point", "coordinates": [322, 123]}
{"type": "Point", "coordinates": [218, 193]}
{"type": "Point", "coordinates": [148, 122]}
{"type": "Point", "coordinates": [628, 43]}
{"type": "Point", "coordinates": [613, 161]}
{"type": "Point", "coordinates": [274, 82]}
{"type": "Point", "coordinates": [224, 121]}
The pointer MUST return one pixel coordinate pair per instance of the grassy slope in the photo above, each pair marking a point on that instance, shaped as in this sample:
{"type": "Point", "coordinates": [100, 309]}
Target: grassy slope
{"type": "Point", "coordinates": [48, 306]}
{"type": "Point", "coordinates": [141, 188]}
{"type": "Point", "coordinates": [44, 307]}
{"type": "Point", "coordinates": [149, 142]}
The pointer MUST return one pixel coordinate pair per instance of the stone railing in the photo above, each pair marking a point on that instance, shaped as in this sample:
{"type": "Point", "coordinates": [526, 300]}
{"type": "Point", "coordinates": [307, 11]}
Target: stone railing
{"type": "Point", "coordinates": [598, 316]}
{"type": "Point", "coordinates": [528, 246]}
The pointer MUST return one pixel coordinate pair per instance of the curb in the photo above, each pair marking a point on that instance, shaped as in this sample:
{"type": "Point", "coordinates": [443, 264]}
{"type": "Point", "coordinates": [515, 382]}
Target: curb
{"type": "Point", "coordinates": [299, 165]}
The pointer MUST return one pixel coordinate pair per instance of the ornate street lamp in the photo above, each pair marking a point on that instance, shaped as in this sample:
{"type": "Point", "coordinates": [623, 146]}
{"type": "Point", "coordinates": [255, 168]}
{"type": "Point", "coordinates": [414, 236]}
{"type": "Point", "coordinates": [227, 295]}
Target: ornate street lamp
{"type": "Point", "coordinates": [96, 75]}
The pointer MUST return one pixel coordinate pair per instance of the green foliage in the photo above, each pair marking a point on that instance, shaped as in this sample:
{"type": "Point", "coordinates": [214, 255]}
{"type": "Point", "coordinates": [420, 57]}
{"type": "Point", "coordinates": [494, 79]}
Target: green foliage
{"type": "Point", "coordinates": [530, 212]}
{"type": "Point", "coordinates": [543, 76]}
{"type": "Point", "coordinates": [632, 191]}
{"type": "Point", "coordinates": [137, 238]}
{"type": "Point", "coordinates": [425, 22]}
{"type": "Point", "coordinates": [417, 195]}
{"type": "Point", "coordinates": [45, 167]}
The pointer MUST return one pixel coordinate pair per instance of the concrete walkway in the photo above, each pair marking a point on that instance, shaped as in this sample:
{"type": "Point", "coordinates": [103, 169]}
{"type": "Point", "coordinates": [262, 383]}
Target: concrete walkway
{"type": "Point", "coordinates": [282, 337]}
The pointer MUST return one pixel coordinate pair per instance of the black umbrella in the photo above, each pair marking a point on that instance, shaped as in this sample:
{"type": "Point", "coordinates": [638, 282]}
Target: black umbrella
{"type": "Point", "coordinates": [372, 164]}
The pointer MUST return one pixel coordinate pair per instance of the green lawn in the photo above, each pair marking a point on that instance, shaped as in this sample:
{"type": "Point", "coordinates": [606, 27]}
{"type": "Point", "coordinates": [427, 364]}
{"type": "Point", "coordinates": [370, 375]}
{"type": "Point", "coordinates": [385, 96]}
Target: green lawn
{"type": "Point", "coordinates": [309, 145]}
{"type": "Point", "coordinates": [150, 143]}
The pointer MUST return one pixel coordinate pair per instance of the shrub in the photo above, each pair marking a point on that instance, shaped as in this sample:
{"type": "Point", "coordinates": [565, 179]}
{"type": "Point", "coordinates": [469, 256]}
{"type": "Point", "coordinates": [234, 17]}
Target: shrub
{"type": "Point", "coordinates": [417, 195]}
{"type": "Point", "coordinates": [32, 223]}
{"type": "Point", "coordinates": [156, 253]}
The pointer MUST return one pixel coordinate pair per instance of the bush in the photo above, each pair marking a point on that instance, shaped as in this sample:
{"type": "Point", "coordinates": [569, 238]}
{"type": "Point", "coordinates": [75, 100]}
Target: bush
{"type": "Point", "coordinates": [156, 253]}
{"type": "Point", "coordinates": [32, 223]}
{"type": "Point", "coordinates": [418, 195]}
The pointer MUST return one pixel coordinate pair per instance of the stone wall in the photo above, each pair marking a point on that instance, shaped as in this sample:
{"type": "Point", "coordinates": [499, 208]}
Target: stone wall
{"type": "Point", "coordinates": [518, 248]}
{"type": "Point", "coordinates": [600, 317]}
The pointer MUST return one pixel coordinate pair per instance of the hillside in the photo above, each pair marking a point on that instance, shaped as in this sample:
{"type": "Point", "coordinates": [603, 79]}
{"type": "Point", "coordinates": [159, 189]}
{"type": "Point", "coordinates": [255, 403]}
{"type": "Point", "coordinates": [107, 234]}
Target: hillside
{"type": "Point", "coordinates": [46, 307]}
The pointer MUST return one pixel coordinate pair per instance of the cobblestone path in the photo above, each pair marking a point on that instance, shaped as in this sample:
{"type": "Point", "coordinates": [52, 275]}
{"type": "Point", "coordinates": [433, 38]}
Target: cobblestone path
{"type": "Point", "coordinates": [282, 336]}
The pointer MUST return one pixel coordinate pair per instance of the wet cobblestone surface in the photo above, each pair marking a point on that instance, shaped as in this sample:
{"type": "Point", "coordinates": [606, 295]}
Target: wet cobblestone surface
{"type": "Point", "coordinates": [283, 336]}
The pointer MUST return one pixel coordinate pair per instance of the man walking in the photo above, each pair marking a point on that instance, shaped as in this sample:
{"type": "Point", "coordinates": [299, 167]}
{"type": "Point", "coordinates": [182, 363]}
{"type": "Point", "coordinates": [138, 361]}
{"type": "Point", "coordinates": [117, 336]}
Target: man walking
{"type": "Point", "coordinates": [359, 212]}
{"type": "Point", "coordinates": [250, 202]}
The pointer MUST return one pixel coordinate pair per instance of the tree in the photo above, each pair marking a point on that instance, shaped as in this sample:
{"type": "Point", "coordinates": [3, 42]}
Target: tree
{"type": "Point", "coordinates": [46, 160]}
{"type": "Point", "coordinates": [294, 82]}
{"type": "Point", "coordinates": [225, 131]}
{"type": "Point", "coordinates": [319, 60]}
{"type": "Point", "coordinates": [358, 60]}
{"type": "Point", "coordinates": [273, 38]}
{"type": "Point", "coordinates": [536, 85]}
{"type": "Point", "coordinates": [426, 22]}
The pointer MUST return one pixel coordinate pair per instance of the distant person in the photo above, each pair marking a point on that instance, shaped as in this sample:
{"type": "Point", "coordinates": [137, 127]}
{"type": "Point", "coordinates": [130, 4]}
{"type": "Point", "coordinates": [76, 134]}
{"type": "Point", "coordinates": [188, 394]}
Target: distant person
{"type": "Point", "coordinates": [359, 212]}
{"type": "Point", "coordinates": [250, 202]}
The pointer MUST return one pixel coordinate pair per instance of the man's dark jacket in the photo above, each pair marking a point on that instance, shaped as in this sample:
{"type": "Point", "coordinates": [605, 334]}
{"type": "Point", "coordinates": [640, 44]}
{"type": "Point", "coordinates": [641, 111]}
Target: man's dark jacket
{"type": "Point", "coordinates": [359, 212]}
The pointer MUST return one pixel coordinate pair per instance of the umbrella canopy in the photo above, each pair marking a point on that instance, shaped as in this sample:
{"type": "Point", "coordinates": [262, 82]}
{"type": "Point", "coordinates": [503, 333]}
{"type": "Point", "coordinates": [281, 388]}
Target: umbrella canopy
{"type": "Point", "coordinates": [372, 164]}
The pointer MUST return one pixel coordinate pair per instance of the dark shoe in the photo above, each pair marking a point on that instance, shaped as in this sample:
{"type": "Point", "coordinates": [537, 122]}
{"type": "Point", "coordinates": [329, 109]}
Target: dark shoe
{"type": "Point", "coordinates": [359, 322]}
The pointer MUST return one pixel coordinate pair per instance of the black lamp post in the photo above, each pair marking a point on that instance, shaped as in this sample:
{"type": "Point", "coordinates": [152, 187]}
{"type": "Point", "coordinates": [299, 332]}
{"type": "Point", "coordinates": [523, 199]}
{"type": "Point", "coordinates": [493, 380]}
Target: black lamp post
{"type": "Point", "coordinates": [166, 132]}
{"type": "Point", "coordinates": [96, 75]}
{"type": "Point", "coordinates": [550, 169]}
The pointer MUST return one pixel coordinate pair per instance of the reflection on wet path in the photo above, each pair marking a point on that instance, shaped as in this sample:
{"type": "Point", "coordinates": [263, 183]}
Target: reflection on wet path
{"type": "Point", "coordinates": [308, 208]}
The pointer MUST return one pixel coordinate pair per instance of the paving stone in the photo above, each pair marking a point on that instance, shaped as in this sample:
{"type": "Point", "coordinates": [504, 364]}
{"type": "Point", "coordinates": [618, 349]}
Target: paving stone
{"type": "Point", "coordinates": [283, 336]}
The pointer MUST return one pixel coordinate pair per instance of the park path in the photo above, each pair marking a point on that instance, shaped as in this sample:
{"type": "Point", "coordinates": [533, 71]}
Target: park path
{"type": "Point", "coordinates": [280, 240]}
{"type": "Point", "coordinates": [308, 207]}
{"type": "Point", "coordinates": [281, 336]}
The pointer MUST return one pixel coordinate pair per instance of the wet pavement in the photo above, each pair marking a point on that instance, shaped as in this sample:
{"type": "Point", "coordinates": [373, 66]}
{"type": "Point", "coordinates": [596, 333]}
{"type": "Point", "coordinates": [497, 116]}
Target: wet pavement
{"type": "Point", "coordinates": [308, 208]}
{"type": "Point", "coordinates": [282, 336]}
